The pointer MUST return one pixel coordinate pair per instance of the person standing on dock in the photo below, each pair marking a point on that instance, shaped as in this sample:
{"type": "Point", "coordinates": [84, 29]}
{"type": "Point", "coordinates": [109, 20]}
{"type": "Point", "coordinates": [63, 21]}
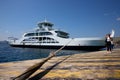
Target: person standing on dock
{"type": "Point", "coordinates": [108, 43]}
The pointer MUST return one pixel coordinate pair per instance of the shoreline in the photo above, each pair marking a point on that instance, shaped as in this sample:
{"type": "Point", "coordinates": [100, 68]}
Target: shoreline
{"type": "Point", "coordinates": [92, 65]}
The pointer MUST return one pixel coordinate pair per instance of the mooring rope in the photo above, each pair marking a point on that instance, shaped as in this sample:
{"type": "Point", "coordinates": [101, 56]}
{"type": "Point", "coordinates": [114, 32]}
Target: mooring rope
{"type": "Point", "coordinates": [36, 66]}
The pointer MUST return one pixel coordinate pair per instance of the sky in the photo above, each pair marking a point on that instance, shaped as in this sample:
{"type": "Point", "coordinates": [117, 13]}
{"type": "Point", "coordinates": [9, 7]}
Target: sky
{"type": "Point", "coordinates": [80, 18]}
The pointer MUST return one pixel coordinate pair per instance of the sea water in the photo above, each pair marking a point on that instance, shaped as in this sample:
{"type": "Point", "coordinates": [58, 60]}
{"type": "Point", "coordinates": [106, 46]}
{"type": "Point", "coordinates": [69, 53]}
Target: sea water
{"type": "Point", "coordinates": [10, 54]}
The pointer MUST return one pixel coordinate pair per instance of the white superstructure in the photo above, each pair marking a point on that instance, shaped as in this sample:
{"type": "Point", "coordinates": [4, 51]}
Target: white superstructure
{"type": "Point", "coordinates": [46, 37]}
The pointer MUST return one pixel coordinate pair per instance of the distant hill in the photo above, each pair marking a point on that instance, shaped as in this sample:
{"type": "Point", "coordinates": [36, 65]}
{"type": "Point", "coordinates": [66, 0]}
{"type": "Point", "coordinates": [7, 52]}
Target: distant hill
{"type": "Point", "coordinates": [4, 41]}
{"type": "Point", "coordinates": [116, 40]}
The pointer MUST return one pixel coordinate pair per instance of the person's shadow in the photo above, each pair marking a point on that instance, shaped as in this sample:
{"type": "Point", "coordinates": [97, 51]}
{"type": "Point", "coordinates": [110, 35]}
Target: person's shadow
{"type": "Point", "coordinates": [43, 73]}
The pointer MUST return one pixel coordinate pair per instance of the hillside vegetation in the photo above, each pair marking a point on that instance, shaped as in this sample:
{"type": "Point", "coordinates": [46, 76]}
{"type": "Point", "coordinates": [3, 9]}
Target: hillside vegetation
{"type": "Point", "coordinates": [116, 41]}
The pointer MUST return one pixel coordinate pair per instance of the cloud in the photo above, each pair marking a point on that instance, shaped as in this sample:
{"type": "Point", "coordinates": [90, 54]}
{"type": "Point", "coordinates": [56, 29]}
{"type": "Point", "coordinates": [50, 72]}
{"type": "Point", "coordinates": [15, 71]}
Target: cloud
{"type": "Point", "coordinates": [118, 19]}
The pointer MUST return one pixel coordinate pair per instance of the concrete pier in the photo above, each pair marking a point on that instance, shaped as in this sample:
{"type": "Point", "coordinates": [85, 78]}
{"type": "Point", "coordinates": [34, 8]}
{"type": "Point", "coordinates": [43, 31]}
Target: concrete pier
{"type": "Point", "coordinates": [98, 65]}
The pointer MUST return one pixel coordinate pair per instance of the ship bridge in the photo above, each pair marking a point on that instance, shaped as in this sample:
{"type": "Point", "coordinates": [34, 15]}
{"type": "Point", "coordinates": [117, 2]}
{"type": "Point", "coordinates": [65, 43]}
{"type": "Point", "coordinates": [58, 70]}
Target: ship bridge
{"type": "Point", "coordinates": [45, 26]}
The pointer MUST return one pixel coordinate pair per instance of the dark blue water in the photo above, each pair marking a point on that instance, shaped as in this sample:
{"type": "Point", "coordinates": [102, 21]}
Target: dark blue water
{"type": "Point", "coordinates": [9, 54]}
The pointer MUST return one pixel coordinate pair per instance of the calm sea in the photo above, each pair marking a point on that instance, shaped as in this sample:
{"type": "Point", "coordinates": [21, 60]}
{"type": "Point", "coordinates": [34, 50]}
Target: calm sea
{"type": "Point", "coordinates": [9, 54]}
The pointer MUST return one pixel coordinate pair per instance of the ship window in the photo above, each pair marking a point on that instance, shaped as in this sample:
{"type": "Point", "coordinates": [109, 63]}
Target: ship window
{"type": "Point", "coordinates": [45, 33]}
{"type": "Point", "coordinates": [31, 34]}
{"type": "Point", "coordinates": [47, 40]}
{"type": "Point", "coordinates": [30, 39]}
{"type": "Point", "coordinates": [62, 34]}
{"type": "Point", "coordinates": [38, 34]}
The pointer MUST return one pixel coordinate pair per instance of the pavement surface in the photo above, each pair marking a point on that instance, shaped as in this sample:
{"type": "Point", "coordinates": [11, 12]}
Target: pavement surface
{"type": "Point", "coordinates": [98, 65]}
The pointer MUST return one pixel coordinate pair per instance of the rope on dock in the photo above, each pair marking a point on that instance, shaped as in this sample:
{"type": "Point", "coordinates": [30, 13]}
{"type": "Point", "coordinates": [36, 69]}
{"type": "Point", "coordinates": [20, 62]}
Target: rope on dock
{"type": "Point", "coordinates": [36, 66]}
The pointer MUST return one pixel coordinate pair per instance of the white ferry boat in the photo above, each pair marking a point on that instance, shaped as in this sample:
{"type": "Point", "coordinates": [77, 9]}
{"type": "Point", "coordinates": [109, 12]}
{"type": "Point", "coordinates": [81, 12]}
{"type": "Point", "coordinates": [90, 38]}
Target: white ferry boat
{"type": "Point", "coordinates": [47, 37]}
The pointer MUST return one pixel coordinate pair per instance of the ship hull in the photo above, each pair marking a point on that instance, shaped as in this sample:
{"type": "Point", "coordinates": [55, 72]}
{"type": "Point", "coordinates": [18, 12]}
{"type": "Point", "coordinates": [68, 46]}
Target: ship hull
{"type": "Point", "coordinates": [89, 48]}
